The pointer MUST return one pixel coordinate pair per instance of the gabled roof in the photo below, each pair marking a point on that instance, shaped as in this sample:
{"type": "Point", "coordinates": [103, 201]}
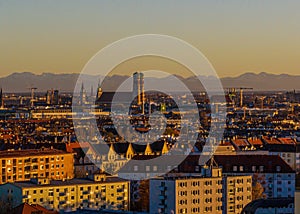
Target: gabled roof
{"type": "Point", "coordinates": [255, 141]}
{"type": "Point", "coordinates": [70, 147]}
{"type": "Point", "coordinates": [271, 140]}
{"type": "Point", "coordinates": [287, 141]}
{"type": "Point", "coordinates": [240, 142]}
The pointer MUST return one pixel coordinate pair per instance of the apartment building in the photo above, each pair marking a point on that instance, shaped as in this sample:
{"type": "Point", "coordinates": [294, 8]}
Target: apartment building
{"type": "Point", "coordinates": [212, 194]}
{"type": "Point", "coordinates": [277, 177]}
{"type": "Point", "coordinates": [237, 192]}
{"type": "Point", "coordinates": [99, 191]}
{"type": "Point", "coordinates": [22, 165]}
{"type": "Point", "coordinates": [186, 195]}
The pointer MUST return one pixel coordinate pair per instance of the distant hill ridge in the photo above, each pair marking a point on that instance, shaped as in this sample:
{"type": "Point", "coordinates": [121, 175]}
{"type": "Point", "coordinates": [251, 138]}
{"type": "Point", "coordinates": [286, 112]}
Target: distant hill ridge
{"type": "Point", "coordinates": [21, 82]}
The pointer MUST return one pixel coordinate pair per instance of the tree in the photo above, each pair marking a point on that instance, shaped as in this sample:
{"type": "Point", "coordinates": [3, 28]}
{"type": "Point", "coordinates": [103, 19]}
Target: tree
{"type": "Point", "coordinates": [6, 205]}
{"type": "Point", "coordinates": [257, 187]}
{"type": "Point", "coordinates": [142, 203]}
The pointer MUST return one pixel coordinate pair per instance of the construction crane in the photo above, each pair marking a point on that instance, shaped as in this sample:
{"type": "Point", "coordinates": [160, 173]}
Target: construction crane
{"type": "Point", "coordinates": [262, 98]}
{"type": "Point", "coordinates": [233, 90]}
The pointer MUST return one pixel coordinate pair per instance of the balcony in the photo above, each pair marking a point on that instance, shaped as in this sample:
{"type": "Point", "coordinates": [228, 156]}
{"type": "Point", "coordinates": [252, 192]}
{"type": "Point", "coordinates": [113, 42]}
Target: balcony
{"type": "Point", "coordinates": [162, 188]}
{"type": "Point", "coordinates": [62, 194]}
{"type": "Point", "coordinates": [161, 206]}
{"type": "Point", "coordinates": [85, 201]}
{"type": "Point", "coordinates": [162, 197]}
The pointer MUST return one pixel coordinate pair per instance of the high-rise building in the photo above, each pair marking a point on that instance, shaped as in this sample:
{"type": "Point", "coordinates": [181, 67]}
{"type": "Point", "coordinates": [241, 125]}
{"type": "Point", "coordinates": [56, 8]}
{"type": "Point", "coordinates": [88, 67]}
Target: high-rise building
{"type": "Point", "coordinates": [138, 88]}
{"type": "Point", "coordinates": [186, 195]}
{"type": "Point", "coordinates": [1, 99]}
{"type": "Point", "coordinates": [210, 193]}
{"type": "Point", "coordinates": [52, 97]}
{"type": "Point", "coordinates": [49, 97]}
{"type": "Point", "coordinates": [55, 100]}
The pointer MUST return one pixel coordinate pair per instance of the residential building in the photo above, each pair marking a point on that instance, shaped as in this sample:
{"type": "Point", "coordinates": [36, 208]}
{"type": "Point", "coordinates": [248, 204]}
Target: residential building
{"type": "Point", "coordinates": [209, 192]}
{"type": "Point", "coordinates": [271, 206]}
{"type": "Point", "coordinates": [98, 191]}
{"type": "Point", "coordinates": [186, 195]}
{"type": "Point", "coordinates": [22, 165]}
{"type": "Point", "coordinates": [277, 177]}
{"type": "Point", "coordinates": [237, 193]}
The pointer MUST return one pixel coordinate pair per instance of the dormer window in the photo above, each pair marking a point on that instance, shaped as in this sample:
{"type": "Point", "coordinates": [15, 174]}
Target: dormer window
{"type": "Point", "coordinates": [278, 168]}
{"type": "Point", "coordinates": [261, 168]}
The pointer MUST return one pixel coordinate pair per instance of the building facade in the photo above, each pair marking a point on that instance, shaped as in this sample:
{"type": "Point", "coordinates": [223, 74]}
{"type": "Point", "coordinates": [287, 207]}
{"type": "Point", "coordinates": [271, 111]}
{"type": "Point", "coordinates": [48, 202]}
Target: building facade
{"type": "Point", "coordinates": [275, 175]}
{"type": "Point", "coordinates": [212, 194]}
{"type": "Point", "coordinates": [96, 192]}
{"type": "Point", "coordinates": [237, 192]}
{"type": "Point", "coordinates": [22, 165]}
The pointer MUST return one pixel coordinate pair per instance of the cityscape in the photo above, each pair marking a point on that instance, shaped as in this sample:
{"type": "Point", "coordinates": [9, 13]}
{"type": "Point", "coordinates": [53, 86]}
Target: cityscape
{"type": "Point", "coordinates": [44, 167]}
{"type": "Point", "coordinates": [149, 107]}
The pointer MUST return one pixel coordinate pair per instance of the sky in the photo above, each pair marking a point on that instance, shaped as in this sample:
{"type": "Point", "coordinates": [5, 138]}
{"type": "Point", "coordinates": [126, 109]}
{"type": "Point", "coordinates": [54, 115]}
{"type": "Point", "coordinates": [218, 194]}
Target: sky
{"type": "Point", "coordinates": [236, 36]}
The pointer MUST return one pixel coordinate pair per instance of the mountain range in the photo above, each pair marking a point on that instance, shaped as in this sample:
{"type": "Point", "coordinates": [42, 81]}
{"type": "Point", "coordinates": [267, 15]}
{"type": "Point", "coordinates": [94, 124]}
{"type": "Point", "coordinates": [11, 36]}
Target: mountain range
{"type": "Point", "coordinates": [21, 82]}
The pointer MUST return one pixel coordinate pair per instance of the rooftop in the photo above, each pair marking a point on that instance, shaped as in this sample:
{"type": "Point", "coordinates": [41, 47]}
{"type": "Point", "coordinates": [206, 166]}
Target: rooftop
{"type": "Point", "coordinates": [30, 153]}
{"type": "Point", "coordinates": [267, 204]}
{"type": "Point", "coordinates": [270, 163]}
{"type": "Point", "coordinates": [71, 182]}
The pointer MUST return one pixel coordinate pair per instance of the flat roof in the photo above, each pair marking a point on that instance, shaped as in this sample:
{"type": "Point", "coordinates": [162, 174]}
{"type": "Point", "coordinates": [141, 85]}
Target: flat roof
{"type": "Point", "coordinates": [30, 153]}
{"type": "Point", "coordinates": [71, 182]}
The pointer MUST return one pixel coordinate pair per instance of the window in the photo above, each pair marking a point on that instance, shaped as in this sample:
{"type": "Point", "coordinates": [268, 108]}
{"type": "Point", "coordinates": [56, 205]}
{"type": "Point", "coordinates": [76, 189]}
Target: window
{"type": "Point", "coordinates": [234, 168]}
{"type": "Point", "coordinates": [261, 168]}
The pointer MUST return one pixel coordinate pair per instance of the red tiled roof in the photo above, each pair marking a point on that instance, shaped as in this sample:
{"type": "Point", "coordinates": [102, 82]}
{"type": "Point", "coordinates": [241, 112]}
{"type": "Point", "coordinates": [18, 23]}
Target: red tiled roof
{"type": "Point", "coordinates": [255, 142]}
{"type": "Point", "coordinates": [28, 209]}
{"type": "Point", "coordinates": [269, 140]}
{"type": "Point", "coordinates": [240, 142]}
{"type": "Point", "coordinates": [6, 136]}
{"type": "Point", "coordinates": [287, 141]}
{"type": "Point", "coordinates": [71, 146]}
